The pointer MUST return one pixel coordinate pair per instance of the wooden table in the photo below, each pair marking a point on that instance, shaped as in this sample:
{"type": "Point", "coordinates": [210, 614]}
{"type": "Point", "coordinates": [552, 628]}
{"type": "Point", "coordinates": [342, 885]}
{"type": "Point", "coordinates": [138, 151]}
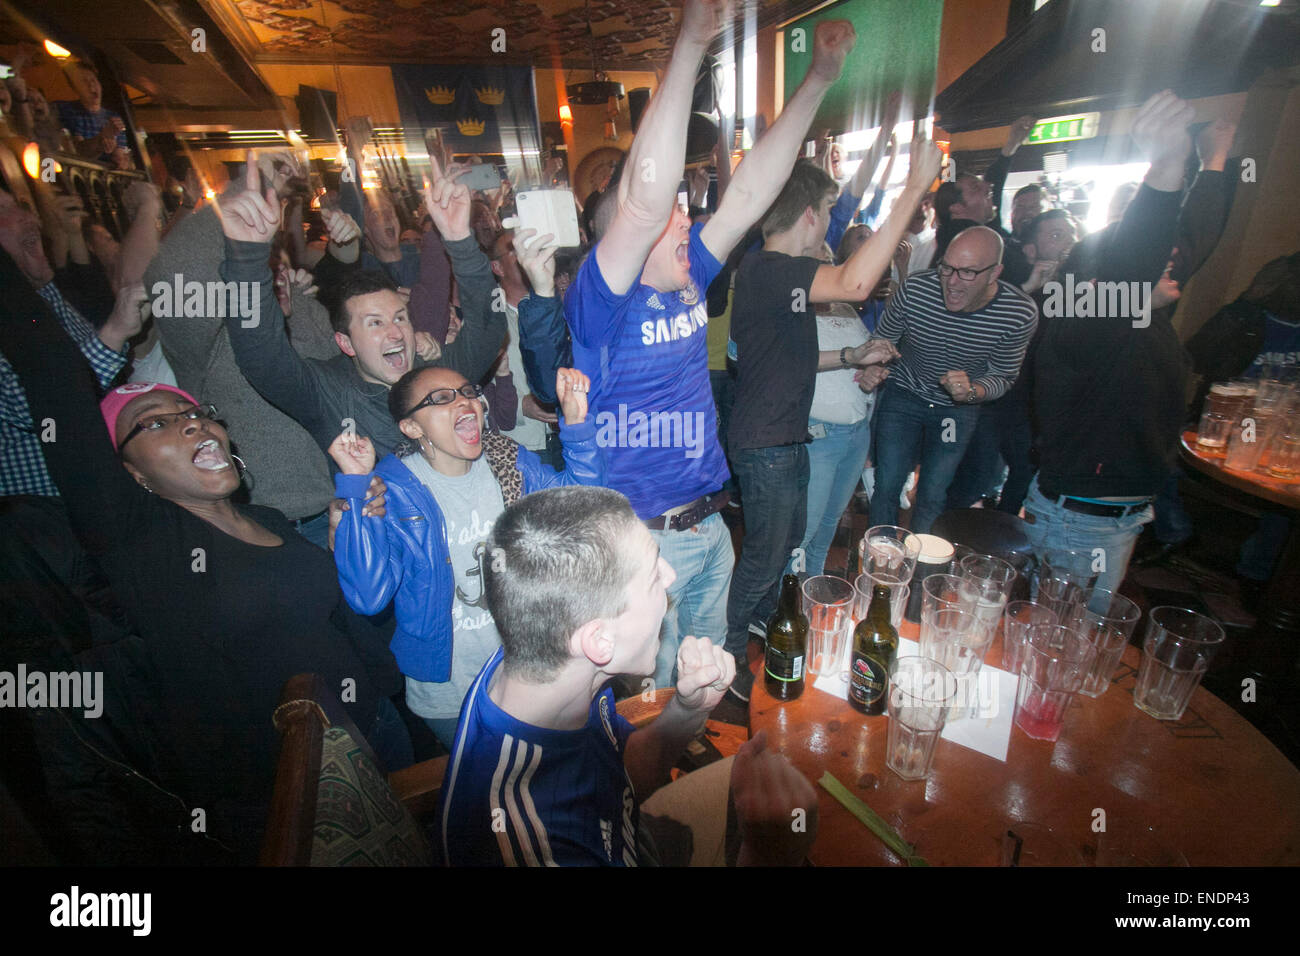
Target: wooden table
{"type": "Point", "coordinates": [1214, 788]}
{"type": "Point", "coordinates": [1277, 628]}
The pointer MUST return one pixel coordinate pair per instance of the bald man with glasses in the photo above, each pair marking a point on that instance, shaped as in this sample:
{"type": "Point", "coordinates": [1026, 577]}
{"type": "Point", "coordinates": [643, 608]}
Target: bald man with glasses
{"type": "Point", "coordinates": [962, 335]}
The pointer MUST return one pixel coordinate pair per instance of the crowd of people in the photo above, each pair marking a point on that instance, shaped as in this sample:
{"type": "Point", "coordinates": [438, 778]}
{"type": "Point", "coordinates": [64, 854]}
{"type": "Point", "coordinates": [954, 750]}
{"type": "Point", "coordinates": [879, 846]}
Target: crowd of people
{"type": "Point", "coordinates": [470, 478]}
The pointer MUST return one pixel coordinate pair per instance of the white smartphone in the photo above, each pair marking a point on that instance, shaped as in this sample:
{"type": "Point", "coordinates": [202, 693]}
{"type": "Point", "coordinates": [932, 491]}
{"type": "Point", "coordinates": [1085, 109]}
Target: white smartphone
{"type": "Point", "coordinates": [549, 211]}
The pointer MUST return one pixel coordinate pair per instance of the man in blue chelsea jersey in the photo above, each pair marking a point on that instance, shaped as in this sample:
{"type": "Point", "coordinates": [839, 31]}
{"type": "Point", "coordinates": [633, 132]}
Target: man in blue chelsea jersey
{"type": "Point", "coordinates": [638, 319]}
{"type": "Point", "coordinates": [544, 771]}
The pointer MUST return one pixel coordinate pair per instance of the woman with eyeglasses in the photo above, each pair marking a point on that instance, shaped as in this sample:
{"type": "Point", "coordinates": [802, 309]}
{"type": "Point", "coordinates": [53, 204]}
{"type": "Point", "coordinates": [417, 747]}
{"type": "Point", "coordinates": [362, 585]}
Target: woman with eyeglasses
{"type": "Point", "coordinates": [227, 599]}
{"type": "Point", "coordinates": [428, 553]}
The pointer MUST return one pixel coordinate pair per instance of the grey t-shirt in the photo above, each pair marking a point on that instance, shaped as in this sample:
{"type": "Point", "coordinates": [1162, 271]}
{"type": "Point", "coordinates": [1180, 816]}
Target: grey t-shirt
{"type": "Point", "coordinates": [471, 505]}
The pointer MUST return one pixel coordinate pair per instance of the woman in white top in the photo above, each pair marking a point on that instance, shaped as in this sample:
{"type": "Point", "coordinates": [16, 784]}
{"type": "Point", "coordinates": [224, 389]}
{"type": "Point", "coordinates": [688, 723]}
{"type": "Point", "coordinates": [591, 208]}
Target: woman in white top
{"type": "Point", "coordinates": [840, 426]}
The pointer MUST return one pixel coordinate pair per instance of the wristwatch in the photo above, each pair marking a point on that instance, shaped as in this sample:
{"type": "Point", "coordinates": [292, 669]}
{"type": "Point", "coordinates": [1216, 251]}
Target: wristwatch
{"type": "Point", "coordinates": [844, 362]}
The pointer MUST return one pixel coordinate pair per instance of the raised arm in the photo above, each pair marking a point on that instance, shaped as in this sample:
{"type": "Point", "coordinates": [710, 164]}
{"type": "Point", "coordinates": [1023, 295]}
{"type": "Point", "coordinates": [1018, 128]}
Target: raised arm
{"type": "Point", "coordinates": [262, 348]}
{"type": "Point", "coordinates": [854, 280]}
{"type": "Point", "coordinates": [1140, 247]}
{"type": "Point", "coordinates": [543, 336]}
{"type": "Point", "coordinates": [140, 244]}
{"type": "Point", "coordinates": [647, 190]}
{"type": "Point", "coordinates": [475, 350]}
{"type": "Point", "coordinates": [759, 179]}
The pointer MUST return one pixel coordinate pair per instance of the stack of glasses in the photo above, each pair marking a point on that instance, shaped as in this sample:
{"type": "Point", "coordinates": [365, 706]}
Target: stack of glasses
{"type": "Point", "coordinates": [1254, 424]}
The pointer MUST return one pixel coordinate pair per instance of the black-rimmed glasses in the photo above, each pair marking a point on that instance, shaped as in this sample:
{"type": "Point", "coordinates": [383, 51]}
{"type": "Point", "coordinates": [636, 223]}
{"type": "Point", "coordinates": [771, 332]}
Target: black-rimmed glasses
{"type": "Point", "coordinates": [445, 396]}
{"type": "Point", "coordinates": [966, 275]}
{"type": "Point", "coordinates": [152, 423]}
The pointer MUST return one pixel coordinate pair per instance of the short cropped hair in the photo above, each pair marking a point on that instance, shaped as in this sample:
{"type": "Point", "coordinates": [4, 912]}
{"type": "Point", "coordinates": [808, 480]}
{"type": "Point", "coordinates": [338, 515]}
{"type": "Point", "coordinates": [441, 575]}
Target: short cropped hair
{"type": "Point", "coordinates": [1026, 190]}
{"type": "Point", "coordinates": [807, 186]}
{"type": "Point", "coordinates": [559, 559]}
{"type": "Point", "coordinates": [354, 283]}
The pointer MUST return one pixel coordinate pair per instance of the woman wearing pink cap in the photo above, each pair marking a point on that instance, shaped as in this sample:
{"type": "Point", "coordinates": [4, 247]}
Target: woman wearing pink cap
{"type": "Point", "coordinates": [228, 600]}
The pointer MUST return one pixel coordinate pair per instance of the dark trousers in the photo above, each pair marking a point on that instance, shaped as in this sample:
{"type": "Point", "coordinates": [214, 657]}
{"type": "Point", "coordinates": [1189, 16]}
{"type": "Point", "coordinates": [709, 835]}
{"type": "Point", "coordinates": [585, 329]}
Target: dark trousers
{"type": "Point", "coordinates": [723, 383]}
{"type": "Point", "coordinates": [1002, 437]}
{"type": "Point", "coordinates": [774, 488]}
{"type": "Point", "coordinates": [909, 428]}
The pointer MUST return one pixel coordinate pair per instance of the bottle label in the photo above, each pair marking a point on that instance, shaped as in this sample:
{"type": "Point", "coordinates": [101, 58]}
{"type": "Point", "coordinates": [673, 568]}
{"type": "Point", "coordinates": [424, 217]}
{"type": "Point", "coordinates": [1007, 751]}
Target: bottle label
{"type": "Point", "coordinates": [867, 680]}
{"type": "Point", "coordinates": [783, 666]}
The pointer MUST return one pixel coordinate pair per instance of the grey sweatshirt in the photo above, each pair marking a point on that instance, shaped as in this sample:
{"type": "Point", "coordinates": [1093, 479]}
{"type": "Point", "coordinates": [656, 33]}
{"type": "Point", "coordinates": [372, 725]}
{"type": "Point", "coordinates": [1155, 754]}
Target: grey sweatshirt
{"type": "Point", "coordinates": [289, 471]}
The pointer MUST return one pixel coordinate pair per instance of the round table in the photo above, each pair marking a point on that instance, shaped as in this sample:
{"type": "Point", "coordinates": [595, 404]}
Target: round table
{"type": "Point", "coordinates": [1212, 787]}
{"type": "Point", "coordinates": [1277, 628]}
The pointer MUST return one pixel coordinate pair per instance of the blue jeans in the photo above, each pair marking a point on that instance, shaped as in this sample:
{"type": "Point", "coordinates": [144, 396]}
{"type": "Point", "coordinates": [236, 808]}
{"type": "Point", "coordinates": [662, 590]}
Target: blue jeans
{"type": "Point", "coordinates": [834, 466]}
{"type": "Point", "coordinates": [774, 487]}
{"type": "Point", "coordinates": [909, 428]}
{"type": "Point", "coordinates": [389, 738]}
{"type": "Point", "coordinates": [316, 530]}
{"type": "Point", "coordinates": [1051, 526]}
{"type": "Point", "coordinates": [444, 728]}
{"type": "Point", "coordinates": [703, 558]}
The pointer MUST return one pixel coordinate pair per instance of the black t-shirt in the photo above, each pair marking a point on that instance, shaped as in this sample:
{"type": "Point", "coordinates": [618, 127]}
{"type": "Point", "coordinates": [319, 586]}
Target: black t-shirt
{"type": "Point", "coordinates": [774, 326]}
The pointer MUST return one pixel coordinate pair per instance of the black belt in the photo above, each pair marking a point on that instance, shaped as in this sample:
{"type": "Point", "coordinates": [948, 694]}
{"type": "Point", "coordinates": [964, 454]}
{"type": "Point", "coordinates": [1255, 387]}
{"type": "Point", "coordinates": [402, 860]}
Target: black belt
{"type": "Point", "coordinates": [301, 521]}
{"type": "Point", "coordinates": [1116, 510]}
{"type": "Point", "coordinates": [690, 514]}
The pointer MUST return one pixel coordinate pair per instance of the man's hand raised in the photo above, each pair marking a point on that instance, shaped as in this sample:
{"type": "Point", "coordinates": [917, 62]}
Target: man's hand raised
{"type": "Point", "coordinates": [926, 159]}
{"type": "Point", "coordinates": [702, 20]}
{"type": "Point", "coordinates": [536, 256]}
{"type": "Point", "coordinates": [1018, 133]}
{"type": "Point", "coordinates": [832, 41]}
{"type": "Point", "coordinates": [704, 672]}
{"type": "Point", "coordinates": [252, 215]}
{"type": "Point", "coordinates": [1160, 131]}
{"type": "Point", "coordinates": [448, 204]}
{"type": "Point", "coordinates": [1214, 142]}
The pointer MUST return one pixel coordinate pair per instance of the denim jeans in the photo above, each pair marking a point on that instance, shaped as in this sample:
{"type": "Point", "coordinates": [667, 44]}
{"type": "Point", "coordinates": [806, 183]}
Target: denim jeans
{"type": "Point", "coordinates": [1259, 552]}
{"type": "Point", "coordinates": [316, 530]}
{"type": "Point", "coordinates": [774, 487]}
{"type": "Point", "coordinates": [834, 466]}
{"type": "Point", "coordinates": [909, 428]}
{"type": "Point", "coordinates": [703, 558]}
{"type": "Point", "coordinates": [389, 738]}
{"type": "Point", "coordinates": [444, 728]}
{"type": "Point", "coordinates": [1049, 525]}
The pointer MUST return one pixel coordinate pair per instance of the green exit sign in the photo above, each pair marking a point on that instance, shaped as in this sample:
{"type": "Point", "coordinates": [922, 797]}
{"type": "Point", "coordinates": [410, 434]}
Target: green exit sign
{"type": "Point", "coordinates": [1062, 129]}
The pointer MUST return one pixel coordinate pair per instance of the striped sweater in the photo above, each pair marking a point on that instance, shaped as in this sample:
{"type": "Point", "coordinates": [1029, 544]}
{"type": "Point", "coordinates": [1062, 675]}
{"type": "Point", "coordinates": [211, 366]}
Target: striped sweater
{"type": "Point", "coordinates": [988, 344]}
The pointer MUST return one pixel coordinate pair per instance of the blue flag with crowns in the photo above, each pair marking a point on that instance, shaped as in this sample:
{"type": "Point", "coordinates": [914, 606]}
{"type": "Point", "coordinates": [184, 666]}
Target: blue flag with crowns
{"type": "Point", "coordinates": [483, 110]}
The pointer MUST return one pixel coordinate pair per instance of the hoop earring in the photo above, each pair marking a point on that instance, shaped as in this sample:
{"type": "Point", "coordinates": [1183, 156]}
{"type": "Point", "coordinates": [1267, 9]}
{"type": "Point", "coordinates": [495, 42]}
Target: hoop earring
{"type": "Point", "coordinates": [244, 473]}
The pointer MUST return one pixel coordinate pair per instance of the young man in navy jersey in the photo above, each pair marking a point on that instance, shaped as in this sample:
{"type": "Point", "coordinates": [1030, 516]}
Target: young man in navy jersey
{"type": "Point", "coordinates": [637, 315]}
{"type": "Point", "coordinates": [544, 771]}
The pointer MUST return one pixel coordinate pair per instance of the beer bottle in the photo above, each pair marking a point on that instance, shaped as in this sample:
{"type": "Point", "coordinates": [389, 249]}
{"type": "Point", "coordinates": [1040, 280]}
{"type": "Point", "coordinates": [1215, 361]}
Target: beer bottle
{"type": "Point", "coordinates": [875, 645]}
{"type": "Point", "coordinates": [787, 642]}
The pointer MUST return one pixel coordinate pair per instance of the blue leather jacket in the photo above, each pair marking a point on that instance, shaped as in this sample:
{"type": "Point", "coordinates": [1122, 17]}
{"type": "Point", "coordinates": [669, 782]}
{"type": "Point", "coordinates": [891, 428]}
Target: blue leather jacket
{"type": "Point", "coordinates": [403, 557]}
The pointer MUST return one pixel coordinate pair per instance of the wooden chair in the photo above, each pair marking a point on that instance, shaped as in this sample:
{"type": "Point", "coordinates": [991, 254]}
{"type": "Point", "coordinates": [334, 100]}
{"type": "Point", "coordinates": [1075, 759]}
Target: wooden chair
{"type": "Point", "coordinates": [330, 806]}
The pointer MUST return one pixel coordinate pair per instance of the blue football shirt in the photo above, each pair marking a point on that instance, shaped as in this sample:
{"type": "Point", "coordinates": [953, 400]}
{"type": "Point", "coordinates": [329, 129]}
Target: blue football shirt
{"type": "Point", "coordinates": [520, 795]}
{"type": "Point", "coordinates": [647, 357]}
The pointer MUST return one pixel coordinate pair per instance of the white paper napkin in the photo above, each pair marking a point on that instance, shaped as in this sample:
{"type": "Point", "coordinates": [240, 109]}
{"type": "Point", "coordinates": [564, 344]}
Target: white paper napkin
{"type": "Point", "coordinates": [987, 730]}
